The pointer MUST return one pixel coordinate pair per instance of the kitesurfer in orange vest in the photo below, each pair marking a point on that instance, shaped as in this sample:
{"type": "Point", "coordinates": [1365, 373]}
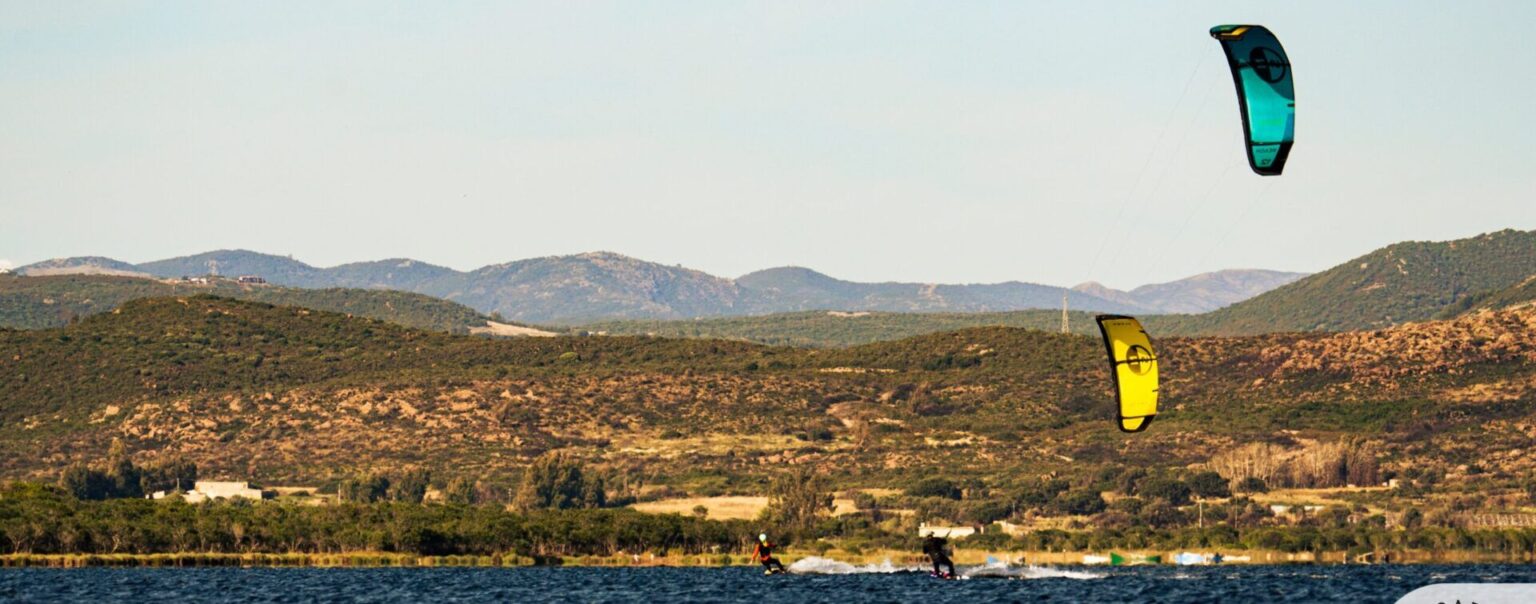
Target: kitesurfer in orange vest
{"type": "Point", "coordinates": [764, 553]}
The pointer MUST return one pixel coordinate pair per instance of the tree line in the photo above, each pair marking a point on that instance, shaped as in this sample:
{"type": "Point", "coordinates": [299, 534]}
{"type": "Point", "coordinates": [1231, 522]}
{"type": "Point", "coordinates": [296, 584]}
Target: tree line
{"type": "Point", "coordinates": [118, 477]}
{"type": "Point", "coordinates": [44, 519]}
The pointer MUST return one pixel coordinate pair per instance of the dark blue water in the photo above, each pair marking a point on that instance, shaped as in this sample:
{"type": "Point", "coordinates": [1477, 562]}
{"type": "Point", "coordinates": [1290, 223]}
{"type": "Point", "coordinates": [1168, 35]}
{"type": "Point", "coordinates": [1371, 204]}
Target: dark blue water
{"type": "Point", "coordinates": [538, 585]}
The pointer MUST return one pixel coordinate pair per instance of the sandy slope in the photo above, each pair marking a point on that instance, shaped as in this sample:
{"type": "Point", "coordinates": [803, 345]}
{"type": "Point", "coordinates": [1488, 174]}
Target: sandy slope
{"type": "Point", "coordinates": [503, 329]}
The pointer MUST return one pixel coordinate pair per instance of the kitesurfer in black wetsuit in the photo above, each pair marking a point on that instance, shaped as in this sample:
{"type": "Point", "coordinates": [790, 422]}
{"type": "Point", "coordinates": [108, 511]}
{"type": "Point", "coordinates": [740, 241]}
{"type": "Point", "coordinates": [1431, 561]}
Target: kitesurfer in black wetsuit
{"type": "Point", "coordinates": [933, 546]}
{"type": "Point", "coordinates": [764, 553]}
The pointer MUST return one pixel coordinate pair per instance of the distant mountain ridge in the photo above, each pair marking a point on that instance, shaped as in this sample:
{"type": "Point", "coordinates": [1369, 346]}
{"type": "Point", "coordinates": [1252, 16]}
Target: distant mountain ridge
{"type": "Point", "coordinates": [793, 288]}
{"type": "Point", "coordinates": [605, 285]}
{"type": "Point", "coordinates": [564, 289]}
{"type": "Point", "coordinates": [81, 265]}
{"type": "Point", "coordinates": [1201, 293]}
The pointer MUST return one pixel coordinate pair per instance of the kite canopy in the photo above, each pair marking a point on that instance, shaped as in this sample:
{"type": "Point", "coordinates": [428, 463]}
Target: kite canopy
{"type": "Point", "coordinates": [1265, 93]}
{"type": "Point", "coordinates": [1134, 369]}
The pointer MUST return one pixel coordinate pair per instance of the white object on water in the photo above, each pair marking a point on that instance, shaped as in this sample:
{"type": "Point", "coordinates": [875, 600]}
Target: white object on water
{"type": "Point", "coordinates": [993, 570]}
{"type": "Point", "coordinates": [1483, 593]}
{"type": "Point", "coordinates": [1191, 559]}
{"type": "Point", "coordinates": [827, 566]}
{"type": "Point", "coordinates": [1001, 570]}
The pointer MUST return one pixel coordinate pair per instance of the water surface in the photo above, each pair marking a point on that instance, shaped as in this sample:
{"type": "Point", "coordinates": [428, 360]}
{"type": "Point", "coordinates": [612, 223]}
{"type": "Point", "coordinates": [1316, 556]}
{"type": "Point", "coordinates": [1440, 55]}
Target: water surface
{"type": "Point", "coordinates": [833, 584]}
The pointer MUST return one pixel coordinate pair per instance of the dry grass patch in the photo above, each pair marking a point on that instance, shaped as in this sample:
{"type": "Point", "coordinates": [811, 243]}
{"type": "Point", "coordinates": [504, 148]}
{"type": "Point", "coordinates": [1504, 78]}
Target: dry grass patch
{"type": "Point", "coordinates": [727, 507]}
{"type": "Point", "coordinates": [1327, 497]}
{"type": "Point", "coordinates": [708, 444]}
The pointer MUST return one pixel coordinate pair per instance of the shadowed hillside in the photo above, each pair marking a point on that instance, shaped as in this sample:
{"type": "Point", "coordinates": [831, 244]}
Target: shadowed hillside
{"type": "Point", "coordinates": [39, 302]}
{"type": "Point", "coordinates": [1520, 295]}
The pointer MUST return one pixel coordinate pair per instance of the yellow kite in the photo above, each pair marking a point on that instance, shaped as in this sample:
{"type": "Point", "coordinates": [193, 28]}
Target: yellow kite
{"type": "Point", "coordinates": [1134, 369]}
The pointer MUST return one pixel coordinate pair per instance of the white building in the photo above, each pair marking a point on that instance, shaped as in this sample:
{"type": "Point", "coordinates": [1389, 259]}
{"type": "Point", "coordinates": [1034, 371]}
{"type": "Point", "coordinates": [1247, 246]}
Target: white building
{"type": "Point", "coordinates": [213, 489]}
{"type": "Point", "coordinates": [1281, 509]}
{"type": "Point", "coordinates": [947, 532]}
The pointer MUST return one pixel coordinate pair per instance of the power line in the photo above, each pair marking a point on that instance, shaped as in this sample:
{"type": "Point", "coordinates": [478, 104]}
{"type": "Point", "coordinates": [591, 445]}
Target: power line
{"type": "Point", "coordinates": [1147, 162]}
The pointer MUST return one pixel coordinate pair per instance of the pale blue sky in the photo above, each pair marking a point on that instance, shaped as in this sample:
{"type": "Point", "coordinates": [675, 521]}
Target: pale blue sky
{"type": "Point", "coordinates": [914, 141]}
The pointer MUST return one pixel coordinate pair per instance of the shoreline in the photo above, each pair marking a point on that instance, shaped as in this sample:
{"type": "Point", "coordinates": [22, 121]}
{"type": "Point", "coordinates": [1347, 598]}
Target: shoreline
{"type": "Point", "coordinates": [894, 557]}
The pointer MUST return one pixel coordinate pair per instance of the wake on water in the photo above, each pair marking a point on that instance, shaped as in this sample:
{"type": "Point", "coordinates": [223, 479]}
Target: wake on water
{"type": "Point", "coordinates": [992, 570]}
{"type": "Point", "coordinates": [827, 566]}
{"type": "Point", "coordinates": [1002, 570]}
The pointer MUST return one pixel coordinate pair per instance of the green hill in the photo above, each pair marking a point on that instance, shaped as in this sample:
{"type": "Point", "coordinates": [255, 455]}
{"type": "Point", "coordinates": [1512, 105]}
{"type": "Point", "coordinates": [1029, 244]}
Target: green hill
{"type": "Point", "coordinates": [52, 301]}
{"type": "Point", "coordinates": [280, 270]}
{"type": "Point", "coordinates": [1522, 294]}
{"type": "Point", "coordinates": [158, 346]}
{"type": "Point", "coordinates": [1412, 281]}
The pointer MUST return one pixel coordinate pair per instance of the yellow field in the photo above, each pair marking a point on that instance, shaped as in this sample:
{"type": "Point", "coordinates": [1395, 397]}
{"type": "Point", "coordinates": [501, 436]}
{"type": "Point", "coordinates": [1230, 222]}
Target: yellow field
{"type": "Point", "coordinates": [730, 507]}
{"type": "Point", "coordinates": [720, 508]}
{"type": "Point", "coordinates": [1327, 497]}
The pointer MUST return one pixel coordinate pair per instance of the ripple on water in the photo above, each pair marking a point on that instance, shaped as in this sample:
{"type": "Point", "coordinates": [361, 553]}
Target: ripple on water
{"type": "Point", "coordinates": [879, 583]}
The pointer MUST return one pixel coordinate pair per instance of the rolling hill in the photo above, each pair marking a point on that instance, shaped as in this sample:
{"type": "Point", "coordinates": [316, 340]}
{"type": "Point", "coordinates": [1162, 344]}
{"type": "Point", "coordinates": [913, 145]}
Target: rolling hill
{"type": "Point", "coordinates": [565, 289]}
{"type": "Point", "coordinates": [797, 289]}
{"type": "Point", "coordinates": [1197, 294]}
{"type": "Point", "coordinates": [396, 273]}
{"type": "Point", "coordinates": [31, 302]}
{"type": "Point", "coordinates": [1411, 281]}
{"type": "Point", "coordinates": [280, 270]}
{"type": "Point", "coordinates": [1406, 282]}
{"type": "Point", "coordinates": [288, 394]}
{"type": "Point", "coordinates": [82, 265]}
{"type": "Point", "coordinates": [1210, 291]}
{"type": "Point", "coordinates": [1520, 295]}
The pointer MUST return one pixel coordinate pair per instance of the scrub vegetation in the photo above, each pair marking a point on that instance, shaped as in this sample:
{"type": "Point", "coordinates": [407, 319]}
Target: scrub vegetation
{"type": "Point", "coordinates": [1415, 435]}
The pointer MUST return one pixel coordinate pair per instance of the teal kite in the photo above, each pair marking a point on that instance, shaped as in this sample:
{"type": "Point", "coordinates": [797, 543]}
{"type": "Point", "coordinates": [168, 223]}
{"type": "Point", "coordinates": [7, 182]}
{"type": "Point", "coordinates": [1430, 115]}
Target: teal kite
{"type": "Point", "coordinates": [1265, 93]}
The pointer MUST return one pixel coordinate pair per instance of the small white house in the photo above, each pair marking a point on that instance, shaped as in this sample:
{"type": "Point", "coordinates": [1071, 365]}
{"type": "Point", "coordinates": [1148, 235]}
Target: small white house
{"type": "Point", "coordinates": [1281, 509]}
{"type": "Point", "coordinates": [214, 489]}
{"type": "Point", "coordinates": [947, 532]}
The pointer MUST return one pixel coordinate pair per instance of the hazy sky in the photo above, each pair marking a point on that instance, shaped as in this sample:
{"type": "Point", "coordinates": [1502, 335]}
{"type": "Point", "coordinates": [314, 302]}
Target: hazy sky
{"type": "Point", "coordinates": [929, 141]}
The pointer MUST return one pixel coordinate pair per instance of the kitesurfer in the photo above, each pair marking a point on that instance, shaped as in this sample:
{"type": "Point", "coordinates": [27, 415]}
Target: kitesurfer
{"type": "Point", "coordinates": [764, 553]}
{"type": "Point", "coordinates": [933, 546]}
